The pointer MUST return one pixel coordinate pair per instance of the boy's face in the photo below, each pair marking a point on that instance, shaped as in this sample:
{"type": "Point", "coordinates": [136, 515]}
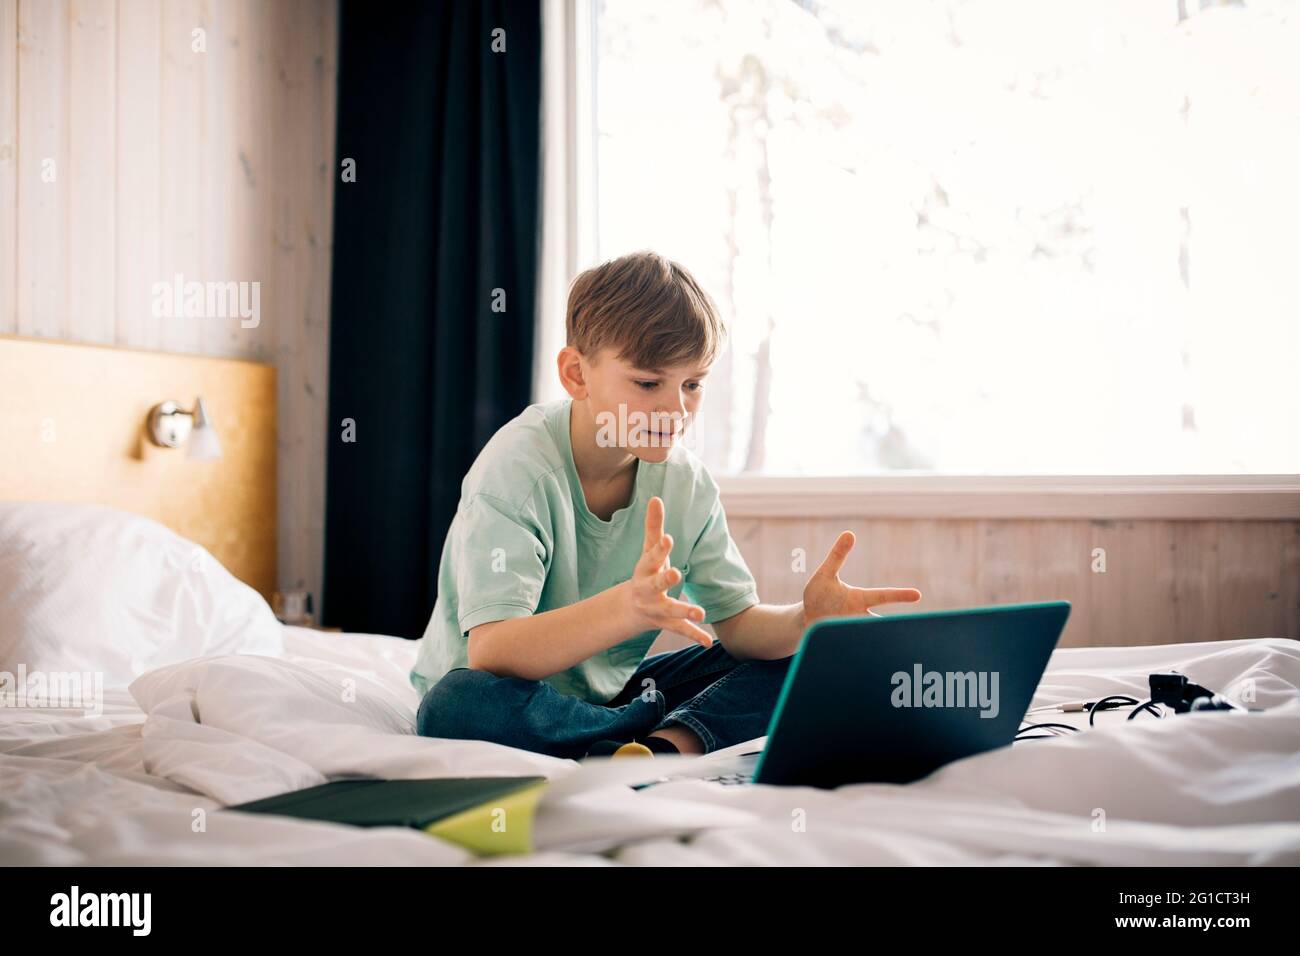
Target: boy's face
{"type": "Point", "coordinates": [644, 411]}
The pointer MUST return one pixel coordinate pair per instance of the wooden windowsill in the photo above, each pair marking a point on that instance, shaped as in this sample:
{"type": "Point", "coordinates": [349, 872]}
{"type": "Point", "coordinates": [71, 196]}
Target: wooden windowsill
{"type": "Point", "coordinates": [1150, 497]}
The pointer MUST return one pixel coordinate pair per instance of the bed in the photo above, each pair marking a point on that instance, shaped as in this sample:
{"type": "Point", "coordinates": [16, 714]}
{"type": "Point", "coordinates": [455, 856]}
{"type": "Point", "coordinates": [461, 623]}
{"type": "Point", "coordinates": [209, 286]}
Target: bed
{"type": "Point", "coordinates": [208, 701]}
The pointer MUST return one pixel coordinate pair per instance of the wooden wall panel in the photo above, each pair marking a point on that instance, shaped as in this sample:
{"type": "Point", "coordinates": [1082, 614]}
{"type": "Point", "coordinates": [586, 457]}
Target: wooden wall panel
{"type": "Point", "coordinates": [1193, 554]}
{"type": "Point", "coordinates": [1164, 581]}
{"type": "Point", "coordinates": [139, 173]}
{"type": "Point", "coordinates": [783, 544]}
{"type": "Point", "coordinates": [8, 166]}
{"type": "Point", "coordinates": [1257, 570]}
{"type": "Point", "coordinates": [216, 164]}
{"type": "Point", "coordinates": [92, 168]}
{"type": "Point", "coordinates": [181, 200]}
{"type": "Point", "coordinates": [1026, 561]}
{"type": "Point", "coordinates": [303, 227]}
{"type": "Point", "coordinates": [42, 264]}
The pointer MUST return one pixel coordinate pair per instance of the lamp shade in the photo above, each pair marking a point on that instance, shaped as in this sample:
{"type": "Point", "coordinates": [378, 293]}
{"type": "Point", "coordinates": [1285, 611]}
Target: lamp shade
{"type": "Point", "coordinates": [204, 444]}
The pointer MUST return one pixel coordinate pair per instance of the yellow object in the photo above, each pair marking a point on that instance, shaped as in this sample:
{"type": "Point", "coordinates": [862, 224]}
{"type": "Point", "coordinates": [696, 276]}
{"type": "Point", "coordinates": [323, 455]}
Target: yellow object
{"type": "Point", "coordinates": [496, 828]}
{"type": "Point", "coordinates": [633, 749]}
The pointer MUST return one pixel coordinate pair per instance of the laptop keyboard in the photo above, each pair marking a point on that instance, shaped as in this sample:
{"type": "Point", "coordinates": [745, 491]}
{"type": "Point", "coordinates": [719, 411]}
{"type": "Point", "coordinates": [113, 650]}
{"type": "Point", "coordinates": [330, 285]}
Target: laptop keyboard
{"type": "Point", "coordinates": [726, 779]}
{"type": "Point", "coordinates": [731, 779]}
{"type": "Point", "coordinates": [738, 775]}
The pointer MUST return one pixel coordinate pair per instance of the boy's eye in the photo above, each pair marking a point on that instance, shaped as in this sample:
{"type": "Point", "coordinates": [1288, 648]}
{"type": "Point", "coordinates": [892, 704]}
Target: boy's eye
{"type": "Point", "coordinates": [650, 386]}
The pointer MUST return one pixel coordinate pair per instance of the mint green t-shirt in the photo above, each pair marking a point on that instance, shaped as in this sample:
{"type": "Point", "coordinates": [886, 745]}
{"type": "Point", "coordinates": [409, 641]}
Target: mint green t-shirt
{"type": "Point", "coordinates": [523, 541]}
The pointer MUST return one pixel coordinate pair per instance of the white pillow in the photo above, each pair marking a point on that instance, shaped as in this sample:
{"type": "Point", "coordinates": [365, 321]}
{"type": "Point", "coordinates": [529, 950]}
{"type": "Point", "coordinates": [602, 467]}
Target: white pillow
{"type": "Point", "coordinates": [84, 588]}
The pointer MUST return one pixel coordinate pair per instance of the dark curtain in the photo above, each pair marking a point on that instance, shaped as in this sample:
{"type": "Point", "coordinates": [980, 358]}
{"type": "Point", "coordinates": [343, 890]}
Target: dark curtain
{"type": "Point", "coordinates": [444, 210]}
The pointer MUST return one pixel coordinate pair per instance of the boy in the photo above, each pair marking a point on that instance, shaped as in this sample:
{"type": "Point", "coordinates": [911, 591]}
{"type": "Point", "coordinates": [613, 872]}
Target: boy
{"type": "Point", "coordinates": [582, 529]}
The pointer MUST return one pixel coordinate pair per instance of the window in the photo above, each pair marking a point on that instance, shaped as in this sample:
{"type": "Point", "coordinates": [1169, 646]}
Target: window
{"type": "Point", "coordinates": [969, 238]}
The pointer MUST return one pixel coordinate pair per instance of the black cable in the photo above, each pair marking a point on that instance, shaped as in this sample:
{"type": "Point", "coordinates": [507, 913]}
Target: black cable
{"type": "Point", "coordinates": [1101, 705]}
{"type": "Point", "coordinates": [1145, 705]}
{"type": "Point", "coordinates": [1037, 726]}
{"type": "Point", "coordinates": [1106, 703]}
{"type": "Point", "coordinates": [1111, 702]}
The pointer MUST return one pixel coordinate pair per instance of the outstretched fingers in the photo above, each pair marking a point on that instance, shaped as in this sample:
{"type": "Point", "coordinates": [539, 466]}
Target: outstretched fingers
{"type": "Point", "coordinates": [877, 596]}
{"type": "Point", "coordinates": [839, 551]}
{"type": "Point", "coordinates": [654, 523]}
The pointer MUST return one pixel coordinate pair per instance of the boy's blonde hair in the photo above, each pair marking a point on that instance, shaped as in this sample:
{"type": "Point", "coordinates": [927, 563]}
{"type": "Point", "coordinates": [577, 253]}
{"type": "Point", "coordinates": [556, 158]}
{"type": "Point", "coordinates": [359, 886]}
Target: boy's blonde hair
{"type": "Point", "coordinates": [648, 309]}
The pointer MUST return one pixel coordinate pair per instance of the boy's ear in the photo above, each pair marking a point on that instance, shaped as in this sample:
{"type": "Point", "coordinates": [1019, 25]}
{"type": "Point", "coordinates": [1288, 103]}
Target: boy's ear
{"type": "Point", "coordinates": [569, 364]}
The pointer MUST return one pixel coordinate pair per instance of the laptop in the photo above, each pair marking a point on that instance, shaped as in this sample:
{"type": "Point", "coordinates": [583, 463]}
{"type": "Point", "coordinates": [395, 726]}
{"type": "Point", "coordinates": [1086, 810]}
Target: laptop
{"type": "Point", "coordinates": [891, 699]}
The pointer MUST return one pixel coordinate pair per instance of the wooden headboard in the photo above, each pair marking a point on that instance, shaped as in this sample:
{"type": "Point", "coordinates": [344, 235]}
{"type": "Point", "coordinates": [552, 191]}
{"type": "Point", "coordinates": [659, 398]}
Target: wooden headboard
{"type": "Point", "coordinates": [72, 421]}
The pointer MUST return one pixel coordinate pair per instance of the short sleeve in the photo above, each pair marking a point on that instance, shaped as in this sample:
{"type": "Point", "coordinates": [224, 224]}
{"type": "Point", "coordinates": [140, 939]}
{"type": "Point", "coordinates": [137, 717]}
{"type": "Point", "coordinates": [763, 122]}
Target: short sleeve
{"type": "Point", "coordinates": [717, 578]}
{"type": "Point", "coordinates": [500, 563]}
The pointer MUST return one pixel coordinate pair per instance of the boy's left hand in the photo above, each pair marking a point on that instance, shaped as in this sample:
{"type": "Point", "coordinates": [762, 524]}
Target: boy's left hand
{"type": "Point", "coordinates": [827, 596]}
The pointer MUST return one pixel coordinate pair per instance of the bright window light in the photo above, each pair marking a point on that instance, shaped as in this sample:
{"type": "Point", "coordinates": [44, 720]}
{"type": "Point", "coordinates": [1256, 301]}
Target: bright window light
{"type": "Point", "coordinates": [1037, 237]}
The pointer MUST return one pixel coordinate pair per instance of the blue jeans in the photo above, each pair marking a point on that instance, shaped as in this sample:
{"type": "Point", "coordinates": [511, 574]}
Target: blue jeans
{"type": "Point", "coordinates": [724, 700]}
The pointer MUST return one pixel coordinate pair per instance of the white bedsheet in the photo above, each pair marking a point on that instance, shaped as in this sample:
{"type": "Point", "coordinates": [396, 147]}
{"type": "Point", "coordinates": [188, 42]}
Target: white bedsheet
{"type": "Point", "coordinates": [141, 782]}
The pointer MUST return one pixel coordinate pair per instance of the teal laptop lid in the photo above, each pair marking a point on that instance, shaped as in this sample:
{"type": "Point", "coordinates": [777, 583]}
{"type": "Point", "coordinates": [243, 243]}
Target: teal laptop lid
{"type": "Point", "coordinates": [893, 698]}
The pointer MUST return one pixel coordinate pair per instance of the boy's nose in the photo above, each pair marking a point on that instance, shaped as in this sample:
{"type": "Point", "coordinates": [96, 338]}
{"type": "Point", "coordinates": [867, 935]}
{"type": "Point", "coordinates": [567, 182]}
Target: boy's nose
{"type": "Point", "coordinates": [673, 417]}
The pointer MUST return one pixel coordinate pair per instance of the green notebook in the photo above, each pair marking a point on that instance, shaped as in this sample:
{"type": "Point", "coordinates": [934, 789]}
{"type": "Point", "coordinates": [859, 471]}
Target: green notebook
{"type": "Point", "coordinates": [487, 815]}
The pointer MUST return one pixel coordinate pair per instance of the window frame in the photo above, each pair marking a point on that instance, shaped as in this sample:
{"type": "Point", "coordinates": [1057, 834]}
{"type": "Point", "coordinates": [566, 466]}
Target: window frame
{"type": "Point", "coordinates": [570, 244]}
{"type": "Point", "coordinates": [1098, 497]}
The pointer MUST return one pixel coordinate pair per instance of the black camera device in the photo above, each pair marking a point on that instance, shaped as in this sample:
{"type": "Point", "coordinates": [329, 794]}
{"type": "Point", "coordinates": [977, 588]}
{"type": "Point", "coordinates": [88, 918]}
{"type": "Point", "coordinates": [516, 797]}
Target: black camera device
{"type": "Point", "coordinates": [1177, 692]}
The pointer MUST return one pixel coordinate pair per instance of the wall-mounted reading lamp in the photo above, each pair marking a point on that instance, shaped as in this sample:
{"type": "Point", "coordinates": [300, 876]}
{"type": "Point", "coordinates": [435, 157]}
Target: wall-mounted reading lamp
{"type": "Point", "coordinates": [169, 426]}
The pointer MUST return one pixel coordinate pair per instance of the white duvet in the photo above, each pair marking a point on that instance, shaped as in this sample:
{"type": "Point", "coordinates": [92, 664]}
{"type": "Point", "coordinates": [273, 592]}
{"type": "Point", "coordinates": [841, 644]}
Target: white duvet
{"type": "Point", "coordinates": [144, 782]}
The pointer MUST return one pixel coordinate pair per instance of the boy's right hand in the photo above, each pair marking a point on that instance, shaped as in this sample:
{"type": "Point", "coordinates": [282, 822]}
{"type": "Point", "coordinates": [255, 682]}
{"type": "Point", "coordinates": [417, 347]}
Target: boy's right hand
{"type": "Point", "coordinates": [651, 579]}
